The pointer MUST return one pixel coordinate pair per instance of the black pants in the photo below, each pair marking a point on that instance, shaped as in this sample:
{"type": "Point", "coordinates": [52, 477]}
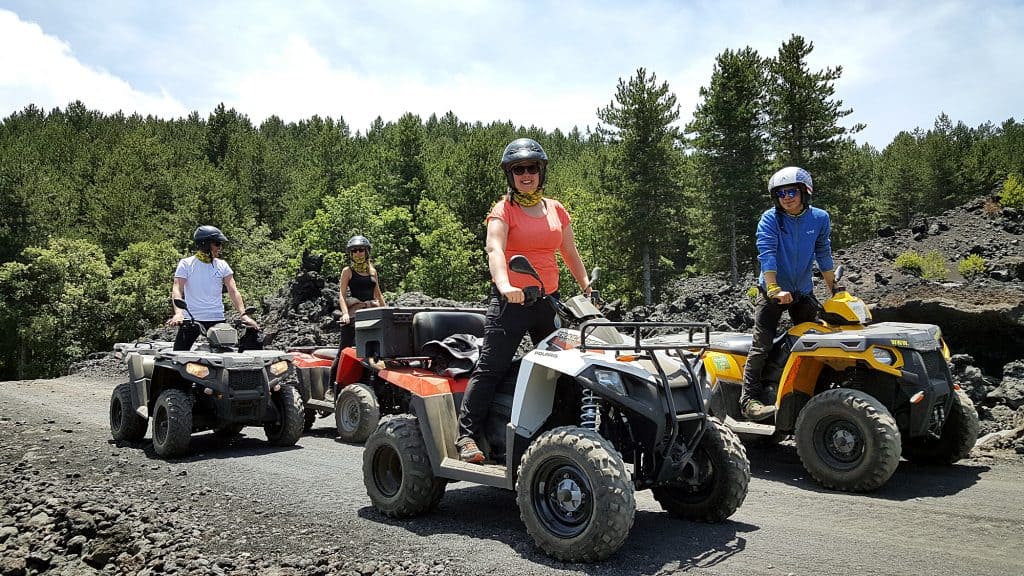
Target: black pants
{"type": "Point", "coordinates": [187, 334]}
{"type": "Point", "coordinates": [504, 329]}
{"type": "Point", "coordinates": [804, 308]}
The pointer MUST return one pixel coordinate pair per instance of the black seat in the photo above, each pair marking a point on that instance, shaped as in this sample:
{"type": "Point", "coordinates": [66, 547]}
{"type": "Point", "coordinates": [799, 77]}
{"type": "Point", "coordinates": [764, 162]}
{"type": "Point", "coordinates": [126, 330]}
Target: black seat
{"type": "Point", "coordinates": [440, 324]}
{"type": "Point", "coordinates": [734, 343]}
{"type": "Point", "coordinates": [326, 353]}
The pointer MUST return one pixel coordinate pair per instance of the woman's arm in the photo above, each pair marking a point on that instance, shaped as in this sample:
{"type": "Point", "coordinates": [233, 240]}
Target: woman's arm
{"type": "Point", "coordinates": [378, 296]}
{"type": "Point", "coordinates": [497, 239]}
{"type": "Point", "coordinates": [571, 255]}
{"type": "Point", "coordinates": [236, 299]}
{"type": "Point", "coordinates": [346, 275]}
{"type": "Point", "coordinates": [177, 293]}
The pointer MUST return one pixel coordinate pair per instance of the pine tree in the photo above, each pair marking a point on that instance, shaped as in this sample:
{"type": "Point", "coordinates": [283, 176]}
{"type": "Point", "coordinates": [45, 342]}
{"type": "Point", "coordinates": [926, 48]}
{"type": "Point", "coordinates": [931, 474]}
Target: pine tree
{"type": "Point", "coordinates": [731, 144]}
{"type": "Point", "coordinates": [639, 126]}
{"type": "Point", "coordinates": [803, 115]}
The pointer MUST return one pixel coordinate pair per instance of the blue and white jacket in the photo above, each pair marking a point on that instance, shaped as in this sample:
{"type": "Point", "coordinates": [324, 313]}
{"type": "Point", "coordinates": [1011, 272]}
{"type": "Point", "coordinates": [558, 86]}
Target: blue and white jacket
{"type": "Point", "coordinates": [789, 245]}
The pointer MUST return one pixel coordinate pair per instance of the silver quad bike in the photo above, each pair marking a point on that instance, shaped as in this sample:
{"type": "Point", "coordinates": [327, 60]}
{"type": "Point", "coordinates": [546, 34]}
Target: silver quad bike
{"type": "Point", "coordinates": [217, 386]}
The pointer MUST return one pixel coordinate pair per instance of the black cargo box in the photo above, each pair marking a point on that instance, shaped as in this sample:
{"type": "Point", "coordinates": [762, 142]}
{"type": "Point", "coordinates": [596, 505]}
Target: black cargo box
{"type": "Point", "coordinates": [396, 333]}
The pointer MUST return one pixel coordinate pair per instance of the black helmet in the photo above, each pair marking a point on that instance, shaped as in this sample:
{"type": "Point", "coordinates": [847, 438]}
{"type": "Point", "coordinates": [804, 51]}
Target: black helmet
{"type": "Point", "coordinates": [523, 150]}
{"type": "Point", "coordinates": [206, 234]}
{"type": "Point", "coordinates": [357, 241]}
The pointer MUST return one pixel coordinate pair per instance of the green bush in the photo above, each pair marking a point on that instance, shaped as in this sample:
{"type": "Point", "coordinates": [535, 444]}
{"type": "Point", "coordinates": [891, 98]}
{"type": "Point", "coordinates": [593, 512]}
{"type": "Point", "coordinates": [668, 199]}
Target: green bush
{"type": "Point", "coordinates": [1012, 195]}
{"type": "Point", "coordinates": [971, 267]}
{"type": "Point", "coordinates": [931, 266]}
{"type": "Point", "coordinates": [910, 262]}
{"type": "Point", "coordinates": [934, 267]}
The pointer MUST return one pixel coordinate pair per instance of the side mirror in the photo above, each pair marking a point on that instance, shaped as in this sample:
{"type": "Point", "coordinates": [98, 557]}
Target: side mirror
{"type": "Point", "coordinates": [250, 310]}
{"type": "Point", "coordinates": [836, 286]}
{"type": "Point", "coordinates": [179, 303]}
{"type": "Point", "coordinates": [521, 264]}
{"type": "Point", "coordinates": [594, 275]}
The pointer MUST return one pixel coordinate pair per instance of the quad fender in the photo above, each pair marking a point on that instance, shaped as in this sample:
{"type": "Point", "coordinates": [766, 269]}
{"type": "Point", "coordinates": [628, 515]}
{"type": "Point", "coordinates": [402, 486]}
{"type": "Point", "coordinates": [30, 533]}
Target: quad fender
{"type": "Point", "coordinates": [721, 366]}
{"type": "Point", "coordinates": [139, 384]}
{"type": "Point", "coordinates": [800, 377]}
{"type": "Point", "coordinates": [350, 368]}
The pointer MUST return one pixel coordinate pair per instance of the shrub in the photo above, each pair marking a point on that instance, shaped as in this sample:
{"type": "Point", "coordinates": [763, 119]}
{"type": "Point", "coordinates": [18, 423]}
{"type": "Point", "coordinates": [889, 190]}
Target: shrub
{"type": "Point", "coordinates": [931, 266]}
{"type": "Point", "coordinates": [910, 262]}
{"type": "Point", "coordinates": [934, 267]}
{"type": "Point", "coordinates": [1012, 195]}
{"type": "Point", "coordinates": [971, 267]}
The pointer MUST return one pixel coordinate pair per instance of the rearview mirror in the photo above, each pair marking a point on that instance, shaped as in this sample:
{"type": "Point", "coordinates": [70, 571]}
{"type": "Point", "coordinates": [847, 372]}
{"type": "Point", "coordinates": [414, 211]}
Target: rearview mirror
{"type": "Point", "coordinates": [521, 264]}
{"type": "Point", "coordinates": [594, 274]}
{"type": "Point", "coordinates": [179, 303]}
{"type": "Point", "coordinates": [839, 272]}
{"type": "Point", "coordinates": [250, 310]}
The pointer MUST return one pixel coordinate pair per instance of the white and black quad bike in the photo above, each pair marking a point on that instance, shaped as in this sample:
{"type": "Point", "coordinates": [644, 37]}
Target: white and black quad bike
{"type": "Point", "coordinates": [216, 386]}
{"type": "Point", "coordinates": [591, 416]}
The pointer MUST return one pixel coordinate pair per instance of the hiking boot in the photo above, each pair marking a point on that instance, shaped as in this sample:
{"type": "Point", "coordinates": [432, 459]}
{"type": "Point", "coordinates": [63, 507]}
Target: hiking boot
{"type": "Point", "coordinates": [755, 410]}
{"type": "Point", "coordinates": [468, 451]}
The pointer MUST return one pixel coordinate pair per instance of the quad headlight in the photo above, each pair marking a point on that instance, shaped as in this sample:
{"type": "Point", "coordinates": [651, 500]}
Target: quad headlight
{"type": "Point", "coordinates": [198, 370]}
{"type": "Point", "coordinates": [883, 356]}
{"type": "Point", "coordinates": [279, 367]}
{"type": "Point", "coordinates": [611, 380]}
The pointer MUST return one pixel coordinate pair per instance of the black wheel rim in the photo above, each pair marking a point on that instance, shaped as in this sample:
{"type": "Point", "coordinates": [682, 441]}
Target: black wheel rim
{"type": "Point", "coordinates": [387, 471]}
{"type": "Point", "coordinates": [162, 425]}
{"type": "Point", "coordinates": [839, 442]}
{"type": "Point", "coordinates": [562, 497]}
{"type": "Point", "coordinates": [274, 428]}
{"type": "Point", "coordinates": [115, 414]}
{"type": "Point", "coordinates": [698, 478]}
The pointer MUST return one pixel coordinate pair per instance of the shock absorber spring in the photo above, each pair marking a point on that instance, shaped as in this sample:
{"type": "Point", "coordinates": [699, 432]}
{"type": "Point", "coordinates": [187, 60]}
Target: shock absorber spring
{"type": "Point", "coordinates": [590, 413]}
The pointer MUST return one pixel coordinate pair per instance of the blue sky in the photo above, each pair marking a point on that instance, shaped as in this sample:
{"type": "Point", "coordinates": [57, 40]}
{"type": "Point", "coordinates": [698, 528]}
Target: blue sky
{"type": "Point", "coordinates": [550, 64]}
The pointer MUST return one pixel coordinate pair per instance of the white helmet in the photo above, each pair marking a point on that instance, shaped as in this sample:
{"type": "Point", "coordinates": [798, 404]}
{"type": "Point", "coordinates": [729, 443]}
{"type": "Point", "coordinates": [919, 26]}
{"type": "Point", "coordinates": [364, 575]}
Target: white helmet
{"type": "Point", "coordinates": [787, 177]}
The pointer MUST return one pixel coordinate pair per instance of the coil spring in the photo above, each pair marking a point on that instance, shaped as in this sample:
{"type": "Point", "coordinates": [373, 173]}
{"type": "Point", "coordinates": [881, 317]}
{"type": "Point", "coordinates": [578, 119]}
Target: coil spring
{"type": "Point", "coordinates": [590, 414]}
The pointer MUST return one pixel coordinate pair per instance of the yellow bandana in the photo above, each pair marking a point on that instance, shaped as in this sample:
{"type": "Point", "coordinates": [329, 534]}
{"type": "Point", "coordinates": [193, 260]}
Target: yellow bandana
{"type": "Point", "coordinates": [527, 198]}
{"type": "Point", "coordinates": [360, 264]}
{"type": "Point", "coordinates": [203, 257]}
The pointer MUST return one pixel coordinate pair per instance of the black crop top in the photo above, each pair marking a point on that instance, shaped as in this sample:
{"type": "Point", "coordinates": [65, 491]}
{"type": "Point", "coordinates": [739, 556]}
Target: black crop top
{"type": "Point", "coordinates": [362, 287]}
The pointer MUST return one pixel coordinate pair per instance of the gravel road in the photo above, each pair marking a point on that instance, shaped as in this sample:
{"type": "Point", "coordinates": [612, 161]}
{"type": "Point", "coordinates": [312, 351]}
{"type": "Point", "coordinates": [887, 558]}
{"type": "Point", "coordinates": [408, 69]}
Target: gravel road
{"type": "Point", "coordinates": [242, 507]}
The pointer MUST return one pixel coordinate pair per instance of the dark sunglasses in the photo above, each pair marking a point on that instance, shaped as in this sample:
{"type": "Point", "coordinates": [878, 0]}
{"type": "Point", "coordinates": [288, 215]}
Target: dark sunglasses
{"type": "Point", "coordinates": [520, 170]}
{"type": "Point", "coordinates": [354, 250]}
{"type": "Point", "coordinates": [788, 192]}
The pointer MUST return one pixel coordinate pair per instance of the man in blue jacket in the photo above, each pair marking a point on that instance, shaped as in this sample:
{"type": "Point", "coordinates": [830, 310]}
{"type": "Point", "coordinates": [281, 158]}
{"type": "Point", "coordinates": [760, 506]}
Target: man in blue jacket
{"type": "Point", "coordinates": [791, 237]}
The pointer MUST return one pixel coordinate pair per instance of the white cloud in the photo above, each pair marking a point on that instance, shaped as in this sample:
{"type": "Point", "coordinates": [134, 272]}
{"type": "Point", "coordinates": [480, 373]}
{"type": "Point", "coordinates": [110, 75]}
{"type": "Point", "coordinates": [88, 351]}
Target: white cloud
{"type": "Point", "coordinates": [40, 69]}
{"type": "Point", "coordinates": [532, 62]}
{"type": "Point", "coordinates": [297, 81]}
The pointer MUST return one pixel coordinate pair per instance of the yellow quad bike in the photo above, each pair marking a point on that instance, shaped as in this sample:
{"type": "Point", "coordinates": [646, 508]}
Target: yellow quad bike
{"type": "Point", "coordinates": [855, 395]}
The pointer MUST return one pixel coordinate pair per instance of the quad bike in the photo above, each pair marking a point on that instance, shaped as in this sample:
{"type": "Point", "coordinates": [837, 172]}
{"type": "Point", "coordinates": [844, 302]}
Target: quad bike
{"type": "Point", "coordinates": [217, 386]}
{"type": "Point", "coordinates": [855, 395]}
{"type": "Point", "coordinates": [356, 394]}
{"type": "Point", "coordinates": [314, 381]}
{"type": "Point", "coordinates": [590, 416]}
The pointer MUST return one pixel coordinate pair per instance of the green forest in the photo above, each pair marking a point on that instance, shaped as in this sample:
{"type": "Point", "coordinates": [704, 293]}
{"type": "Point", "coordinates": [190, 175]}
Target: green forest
{"type": "Point", "coordinates": [96, 209]}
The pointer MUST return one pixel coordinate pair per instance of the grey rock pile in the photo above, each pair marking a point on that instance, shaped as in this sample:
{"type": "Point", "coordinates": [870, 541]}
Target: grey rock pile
{"type": "Point", "coordinates": [69, 508]}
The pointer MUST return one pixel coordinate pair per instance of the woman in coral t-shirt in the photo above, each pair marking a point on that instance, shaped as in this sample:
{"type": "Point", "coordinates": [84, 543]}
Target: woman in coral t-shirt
{"type": "Point", "coordinates": [522, 222]}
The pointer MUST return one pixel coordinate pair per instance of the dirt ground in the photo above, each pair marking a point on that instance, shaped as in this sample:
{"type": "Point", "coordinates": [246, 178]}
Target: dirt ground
{"type": "Point", "coordinates": [74, 502]}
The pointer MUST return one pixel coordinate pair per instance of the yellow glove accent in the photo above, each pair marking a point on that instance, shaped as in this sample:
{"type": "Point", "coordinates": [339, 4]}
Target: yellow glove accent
{"type": "Point", "coordinates": [773, 289]}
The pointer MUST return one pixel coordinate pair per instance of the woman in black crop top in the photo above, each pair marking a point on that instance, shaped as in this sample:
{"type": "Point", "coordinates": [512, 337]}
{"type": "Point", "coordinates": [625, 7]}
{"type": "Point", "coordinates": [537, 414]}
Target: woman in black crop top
{"type": "Point", "coordinates": [358, 288]}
